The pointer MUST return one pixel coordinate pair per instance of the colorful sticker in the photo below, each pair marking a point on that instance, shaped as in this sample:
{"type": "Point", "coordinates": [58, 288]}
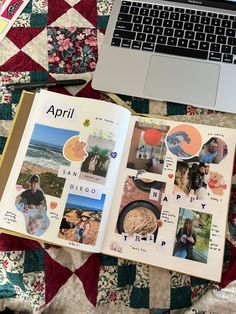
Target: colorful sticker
{"type": "Point", "coordinates": [74, 149]}
{"type": "Point", "coordinates": [216, 183]}
{"type": "Point", "coordinates": [184, 141]}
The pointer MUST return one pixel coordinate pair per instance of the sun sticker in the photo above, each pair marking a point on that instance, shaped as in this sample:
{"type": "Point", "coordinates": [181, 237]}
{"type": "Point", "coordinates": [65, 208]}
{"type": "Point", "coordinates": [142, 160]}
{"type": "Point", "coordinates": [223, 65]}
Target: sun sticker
{"type": "Point", "coordinates": [74, 149]}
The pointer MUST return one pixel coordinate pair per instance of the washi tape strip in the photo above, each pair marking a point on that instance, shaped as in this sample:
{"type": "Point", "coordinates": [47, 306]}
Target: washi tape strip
{"type": "Point", "coordinates": [10, 10]}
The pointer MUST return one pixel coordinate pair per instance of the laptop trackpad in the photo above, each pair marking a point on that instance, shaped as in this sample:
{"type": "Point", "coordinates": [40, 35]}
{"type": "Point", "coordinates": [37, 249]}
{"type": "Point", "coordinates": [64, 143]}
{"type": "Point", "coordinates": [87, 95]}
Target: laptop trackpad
{"type": "Point", "coordinates": [181, 80]}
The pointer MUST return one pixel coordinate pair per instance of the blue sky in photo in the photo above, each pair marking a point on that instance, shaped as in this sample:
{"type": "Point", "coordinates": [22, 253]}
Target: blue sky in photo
{"type": "Point", "coordinates": [51, 135]}
{"type": "Point", "coordinates": [86, 202]}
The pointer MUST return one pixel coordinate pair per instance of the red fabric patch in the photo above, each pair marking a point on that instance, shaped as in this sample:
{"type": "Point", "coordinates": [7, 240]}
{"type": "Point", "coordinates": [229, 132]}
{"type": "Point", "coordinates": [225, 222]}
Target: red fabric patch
{"type": "Point", "coordinates": [21, 63]}
{"type": "Point", "coordinates": [88, 9]}
{"type": "Point", "coordinates": [88, 273]}
{"type": "Point", "coordinates": [56, 9]}
{"type": "Point", "coordinates": [230, 273]}
{"type": "Point", "coordinates": [89, 92]}
{"type": "Point", "coordinates": [26, 35]}
{"type": "Point", "coordinates": [56, 276]}
{"type": "Point", "coordinates": [12, 243]}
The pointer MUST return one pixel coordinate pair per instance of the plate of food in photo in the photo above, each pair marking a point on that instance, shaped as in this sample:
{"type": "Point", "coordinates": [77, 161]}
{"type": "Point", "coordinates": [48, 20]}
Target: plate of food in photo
{"type": "Point", "coordinates": [147, 184]}
{"type": "Point", "coordinates": [139, 217]}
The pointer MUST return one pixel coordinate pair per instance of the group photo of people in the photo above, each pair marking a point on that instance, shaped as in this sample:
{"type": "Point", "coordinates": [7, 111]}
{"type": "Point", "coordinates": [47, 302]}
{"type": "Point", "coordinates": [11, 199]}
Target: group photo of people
{"type": "Point", "coordinates": [32, 203]}
{"type": "Point", "coordinates": [192, 235]}
{"type": "Point", "coordinates": [191, 178]}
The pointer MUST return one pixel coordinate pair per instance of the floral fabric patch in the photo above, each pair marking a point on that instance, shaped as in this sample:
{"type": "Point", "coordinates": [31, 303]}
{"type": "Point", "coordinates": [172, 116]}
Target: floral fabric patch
{"type": "Point", "coordinates": [72, 50]}
{"type": "Point", "coordinates": [104, 7]}
{"type": "Point", "coordinates": [39, 6]}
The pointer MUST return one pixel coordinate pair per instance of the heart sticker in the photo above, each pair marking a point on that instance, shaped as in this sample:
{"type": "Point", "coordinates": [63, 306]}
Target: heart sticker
{"type": "Point", "coordinates": [114, 155]}
{"type": "Point", "coordinates": [19, 187]}
{"type": "Point", "coordinates": [53, 205]}
{"type": "Point", "coordinates": [170, 175]}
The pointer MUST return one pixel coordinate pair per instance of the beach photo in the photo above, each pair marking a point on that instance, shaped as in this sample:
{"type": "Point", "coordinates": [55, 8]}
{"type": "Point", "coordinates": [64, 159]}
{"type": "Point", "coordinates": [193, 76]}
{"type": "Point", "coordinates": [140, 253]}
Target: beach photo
{"type": "Point", "coordinates": [147, 148]}
{"type": "Point", "coordinates": [81, 219]}
{"type": "Point", "coordinates": [193, 235]}
{"type": "Point", "coordinates": [96, 165]}
{"type": "Point", "coordinates": [43, 157]}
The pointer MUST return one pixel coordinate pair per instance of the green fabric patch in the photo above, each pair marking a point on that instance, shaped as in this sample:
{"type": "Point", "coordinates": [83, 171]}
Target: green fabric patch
{"type": "Point", "coordinates": [139, 298]}
{"type": "Point", "coordinates": [7, 291]}
{"type": "Point", "coordinates": [38, 76]}
{"type": "Point", "coordinates": [176, 109]}
{"type": "Point", "coordinates": [198, 281]}
{"type": "Point", "coordinates": [5, 112]}
{"type": "Point", "coordinates": [16, 279]}
{"type": "Point", "coordinates": [108, 260]}
{"type": "Point", "coordinates": [126, 275]}
{"type": "Point", "coordinates": [180, 297]}
{"type": "Point", "coordinates": [2, 143]}
{"type": "Point", "coordinates": [102, 22]}
{"type": "Point", "coordinates": [227, 251]}
{"type": "Point", "coordinates": [16, 96]}
{"type": "Point", "coordinates": [28, 8]}
{"type": "Point", "coordinates": [34, 261]}
{"type": "Point", "coordinates": [38, 20]}
{"type": "Point", "coordinates": [139, 105]}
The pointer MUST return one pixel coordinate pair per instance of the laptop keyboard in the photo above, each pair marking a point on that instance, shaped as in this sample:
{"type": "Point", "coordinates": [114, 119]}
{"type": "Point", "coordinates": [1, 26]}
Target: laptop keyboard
{"type": "Point", "coordinates": [176, 31]}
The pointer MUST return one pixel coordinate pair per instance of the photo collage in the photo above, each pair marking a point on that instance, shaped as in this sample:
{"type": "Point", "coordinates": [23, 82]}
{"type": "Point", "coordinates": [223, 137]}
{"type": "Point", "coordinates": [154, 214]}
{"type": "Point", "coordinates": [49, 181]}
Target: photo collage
{"type": "Point", "coordinates": [193, 175]}
{"type": "Point", "coordinates": [54, 155]}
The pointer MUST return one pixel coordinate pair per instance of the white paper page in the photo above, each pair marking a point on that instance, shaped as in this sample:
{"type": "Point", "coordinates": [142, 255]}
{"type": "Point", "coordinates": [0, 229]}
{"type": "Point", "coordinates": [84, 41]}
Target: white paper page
{"type": "Point", "coordinates": [74, 145]}
{"type": "Point", "coordinates": [156, 197]}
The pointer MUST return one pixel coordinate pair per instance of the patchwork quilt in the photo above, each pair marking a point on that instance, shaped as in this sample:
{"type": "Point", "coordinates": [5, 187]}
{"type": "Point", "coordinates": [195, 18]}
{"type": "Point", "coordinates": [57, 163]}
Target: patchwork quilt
{"type": "Point", "coordinates": [40, 278]}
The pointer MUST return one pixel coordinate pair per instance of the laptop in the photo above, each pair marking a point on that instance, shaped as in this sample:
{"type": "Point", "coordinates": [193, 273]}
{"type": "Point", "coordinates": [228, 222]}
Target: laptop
{"type": "Point", "coordinates": [178, 51]}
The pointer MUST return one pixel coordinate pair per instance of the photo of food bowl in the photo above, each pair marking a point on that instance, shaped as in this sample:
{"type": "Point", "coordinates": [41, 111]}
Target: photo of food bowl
{"type": "Point", "coordinates": [139, 217]}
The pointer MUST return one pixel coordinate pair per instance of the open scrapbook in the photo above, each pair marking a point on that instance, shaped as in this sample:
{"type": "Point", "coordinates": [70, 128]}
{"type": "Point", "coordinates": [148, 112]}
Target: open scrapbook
{"type": "Point", "coordinates": [87, 174]}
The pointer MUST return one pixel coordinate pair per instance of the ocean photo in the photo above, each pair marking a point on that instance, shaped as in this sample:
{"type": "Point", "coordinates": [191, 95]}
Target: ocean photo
{"type": "Point", "coordinates": [44, 157]}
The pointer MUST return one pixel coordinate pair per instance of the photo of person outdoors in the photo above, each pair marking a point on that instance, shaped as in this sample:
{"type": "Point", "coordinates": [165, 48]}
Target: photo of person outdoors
{"type": "Point", "coordinates": [190, 178]}
{"type": "Point", "coordinates": [213, 151]}
{"type": "Point", "coordinates": [192, 235]}
{"type": "Point", "coordinates": [34, 196]}
{"type": "Point", "coordinates": [81, 219]}
{"type": "Point", "coordinates": [82, 228]}
{"type": "Point", "coordinates": [186, 238]}
{"type": "Point", "coordinates": [32, 203]}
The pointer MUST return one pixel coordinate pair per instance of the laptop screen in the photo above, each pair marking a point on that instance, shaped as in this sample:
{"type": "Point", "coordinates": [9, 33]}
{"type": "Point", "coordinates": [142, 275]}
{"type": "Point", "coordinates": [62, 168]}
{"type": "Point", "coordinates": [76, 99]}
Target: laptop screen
{"type": "Point", "coordinates": [222, 4]}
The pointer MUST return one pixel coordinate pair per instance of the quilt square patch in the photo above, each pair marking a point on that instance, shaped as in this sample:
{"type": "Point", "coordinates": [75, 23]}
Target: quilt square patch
{"type": "Point", "coordinates": [72, 50]}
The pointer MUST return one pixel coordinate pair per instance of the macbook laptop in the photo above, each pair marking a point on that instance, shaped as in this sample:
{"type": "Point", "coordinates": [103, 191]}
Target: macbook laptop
{"type": "Point", "coordinates": [178, 51]}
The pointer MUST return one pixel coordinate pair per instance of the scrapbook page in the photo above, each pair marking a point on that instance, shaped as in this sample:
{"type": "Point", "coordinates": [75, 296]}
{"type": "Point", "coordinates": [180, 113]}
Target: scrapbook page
{"type": "Point", "coordinates": [171, 202]}
{"type": "Point", "coordinates": [60, 185]}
